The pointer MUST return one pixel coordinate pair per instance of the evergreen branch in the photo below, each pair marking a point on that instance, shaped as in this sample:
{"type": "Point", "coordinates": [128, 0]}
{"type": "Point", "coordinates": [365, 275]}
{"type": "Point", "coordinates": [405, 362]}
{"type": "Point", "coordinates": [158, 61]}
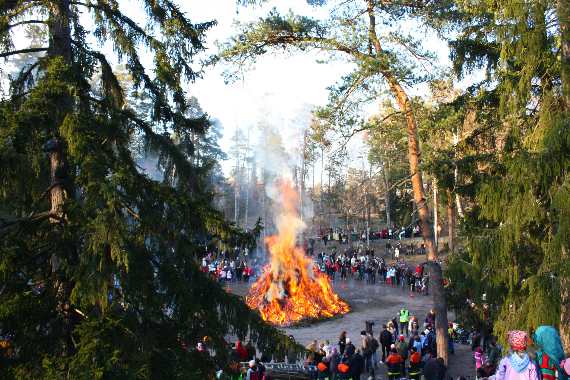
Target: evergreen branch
{"type": "Point", "coordinates": [9, 26]}
{"type": "Point", "coordinates": [16, 10]}
{"type": "Point", "coordinates": [115, 14]}
{"type": "Point", "coordinates": [168, 77]}
{"type": "Point", "coordinates": [371, 126]}
{"type": "Point", "coordinates": [162, 140]}
{"type": "Point", "coordinates": [6, 223]}
{"type": "Point", "coordinates": [21, 80]}
{"type": "Point", "coordinates": [22, 51]}
{"type": "Point", "coordinates": [110, 81]}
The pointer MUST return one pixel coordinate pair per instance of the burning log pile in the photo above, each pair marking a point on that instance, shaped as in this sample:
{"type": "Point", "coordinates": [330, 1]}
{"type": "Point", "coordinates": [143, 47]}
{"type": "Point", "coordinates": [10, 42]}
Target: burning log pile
{"type": "Point", "coordinates": [291, 289]}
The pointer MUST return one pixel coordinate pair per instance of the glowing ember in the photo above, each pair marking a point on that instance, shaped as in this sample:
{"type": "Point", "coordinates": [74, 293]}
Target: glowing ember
{"type": "Point", "coordinates": [291, 289]}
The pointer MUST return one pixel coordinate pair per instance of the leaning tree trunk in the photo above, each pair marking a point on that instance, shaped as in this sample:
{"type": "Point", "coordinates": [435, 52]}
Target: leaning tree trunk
{"type": "Point", "coordinates": [563, 12]}
{"type": "Point", "coordinates": [435, 272]}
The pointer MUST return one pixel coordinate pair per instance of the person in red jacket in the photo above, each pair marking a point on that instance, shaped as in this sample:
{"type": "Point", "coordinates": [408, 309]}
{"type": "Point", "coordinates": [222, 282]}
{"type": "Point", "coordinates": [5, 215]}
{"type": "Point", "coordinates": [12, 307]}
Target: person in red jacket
{"type": "Point", "coordinates": [241, 351]}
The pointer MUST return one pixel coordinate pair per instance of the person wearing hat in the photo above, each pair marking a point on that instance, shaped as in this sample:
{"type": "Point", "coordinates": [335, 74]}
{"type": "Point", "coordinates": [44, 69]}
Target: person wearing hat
{"type": "Point", "coordinates": [517, 365]}
{"type": "Point", "coordinates": [550, 353]}
{"type": "Point", "coordinates": [252, 373]}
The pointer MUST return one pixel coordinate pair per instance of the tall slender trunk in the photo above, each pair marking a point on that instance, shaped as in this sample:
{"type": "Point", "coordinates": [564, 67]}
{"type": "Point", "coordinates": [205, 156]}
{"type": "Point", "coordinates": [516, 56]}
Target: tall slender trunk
{"type": "Point", "coordinates": [60, 47]}
{"type": "Point", "coordinates": [247, 185]}
{"type": "Point", "coordinates": [458, 204]}
{"type": "Point", "coordinates": [387, 196]}
{"type": "Point", "coordinates": [435, 213]}
{"type": "Point", "coordinates": [247, 180]}
{"type": "Point", "coordinates": [563, 13]}
{"type": "Point", "coordinates": [451, 220]}
{"type": "Point", "coordinates": [435, 272]}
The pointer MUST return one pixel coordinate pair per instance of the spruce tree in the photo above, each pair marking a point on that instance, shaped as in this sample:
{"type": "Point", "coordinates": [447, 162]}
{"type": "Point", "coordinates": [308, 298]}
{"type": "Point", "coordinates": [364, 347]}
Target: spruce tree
{"type": "Point", "coordinates": [519, 230]}
{"type": "Point", "coordinates": [98, 261]}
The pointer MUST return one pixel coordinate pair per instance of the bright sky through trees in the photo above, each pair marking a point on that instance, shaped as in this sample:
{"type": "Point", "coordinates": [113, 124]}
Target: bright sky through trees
{"type": "Point", "coordinates": [279, 89]}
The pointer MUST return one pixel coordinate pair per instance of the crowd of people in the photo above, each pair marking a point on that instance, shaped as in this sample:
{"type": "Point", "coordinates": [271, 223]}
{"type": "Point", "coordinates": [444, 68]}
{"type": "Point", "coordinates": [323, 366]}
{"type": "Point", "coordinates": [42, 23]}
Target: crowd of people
{"type": "Point", "coordinates": [366, 266]}
{"type": "Point", "coordinates": [407, 348]}
{"type": "Point", "coordinates": [346, 236]}
{"type": "Point", "coordinates": [228, 267]}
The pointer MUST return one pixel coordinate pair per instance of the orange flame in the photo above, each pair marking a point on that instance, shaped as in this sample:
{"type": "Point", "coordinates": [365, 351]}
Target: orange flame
{"type": "Point", "coordinates": [291, 288]}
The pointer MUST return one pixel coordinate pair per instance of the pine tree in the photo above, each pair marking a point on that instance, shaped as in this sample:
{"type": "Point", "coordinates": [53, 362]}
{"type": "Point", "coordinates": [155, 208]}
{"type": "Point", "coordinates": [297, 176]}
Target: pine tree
{"type": "Point", "coordinates": [97, 260]}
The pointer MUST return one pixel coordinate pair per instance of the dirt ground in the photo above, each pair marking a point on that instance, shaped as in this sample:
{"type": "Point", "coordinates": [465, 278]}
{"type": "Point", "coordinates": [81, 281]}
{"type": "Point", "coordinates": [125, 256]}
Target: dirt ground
{"type": "Point", "coordinates": [378, 303]}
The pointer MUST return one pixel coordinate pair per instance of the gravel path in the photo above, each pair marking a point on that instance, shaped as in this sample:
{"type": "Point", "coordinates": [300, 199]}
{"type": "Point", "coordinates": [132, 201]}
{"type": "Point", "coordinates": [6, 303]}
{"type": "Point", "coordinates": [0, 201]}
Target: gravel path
{"type": "Point", "coordinates": [378, 303]}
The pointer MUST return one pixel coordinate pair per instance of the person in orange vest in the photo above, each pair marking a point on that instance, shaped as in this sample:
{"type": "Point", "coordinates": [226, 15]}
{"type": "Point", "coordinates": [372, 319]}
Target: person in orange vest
{"type": "Point", "coordinates": [415, 371]}
{"type": "Point", "coordinates": [394, 363]}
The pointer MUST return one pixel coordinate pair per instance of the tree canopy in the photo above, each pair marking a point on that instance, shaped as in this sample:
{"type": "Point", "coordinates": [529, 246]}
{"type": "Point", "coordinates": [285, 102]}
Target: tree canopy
{"type": "Point", "coordinates": [98, 263]}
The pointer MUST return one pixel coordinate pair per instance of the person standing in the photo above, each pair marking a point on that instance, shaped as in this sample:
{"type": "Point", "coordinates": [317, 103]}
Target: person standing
{"type": "Point", "coordinates": [394, 363]}
{"type": "Point", "coordinates": [402, 348]}
{"type": "Point", "coordinates": [385, 342]}
{"type": "Point", "coordinates": [404, 320]}
{"type": "Point", "coordinates": [366, 349]}
{"type": "Point", "coordinates": [517, 364]}
{"type": "Point", "coordinates": [415, 372]}
{"type": "Point", "coordinates": [350, 348]}
{"type": "Point", "coordinates": [342, 342]}
{"type": "Point", "coordinates": [430, 318]}
{"type": "Point", "coordinates": [550, 353]}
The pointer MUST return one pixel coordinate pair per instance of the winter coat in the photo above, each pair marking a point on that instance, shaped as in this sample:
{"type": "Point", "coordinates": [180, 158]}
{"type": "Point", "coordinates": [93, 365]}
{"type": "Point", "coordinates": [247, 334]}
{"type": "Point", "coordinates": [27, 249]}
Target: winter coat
{"type": "Point", "coordinates": [515, 367]}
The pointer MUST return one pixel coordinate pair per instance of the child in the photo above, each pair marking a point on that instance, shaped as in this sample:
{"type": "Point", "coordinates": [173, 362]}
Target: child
{"type": "Point", "coordinates": [479, 357]}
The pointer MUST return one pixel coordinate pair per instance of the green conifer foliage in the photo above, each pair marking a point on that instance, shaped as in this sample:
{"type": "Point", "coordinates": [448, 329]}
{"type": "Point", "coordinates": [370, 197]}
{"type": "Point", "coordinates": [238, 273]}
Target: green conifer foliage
{"type": "Point", "coordinates": [98, 261]}
{"type": "Point", "coordinates": [518, 231]}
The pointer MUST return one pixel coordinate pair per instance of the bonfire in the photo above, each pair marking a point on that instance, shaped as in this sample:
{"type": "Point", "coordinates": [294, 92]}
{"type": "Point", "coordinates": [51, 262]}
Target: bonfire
{"type": "Point", "coordinates": [291, 289]}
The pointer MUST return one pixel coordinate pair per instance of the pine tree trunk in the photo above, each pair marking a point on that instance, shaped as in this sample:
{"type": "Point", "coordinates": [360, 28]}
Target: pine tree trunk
{"type": "Point", "coordinates": [435, 213]}
{"type": "Point", "coordinates": [451, 220]}
{"type": "Point", "coordinates": [436, 276]}
{"type": "Point", "coordinates": [387, 197]}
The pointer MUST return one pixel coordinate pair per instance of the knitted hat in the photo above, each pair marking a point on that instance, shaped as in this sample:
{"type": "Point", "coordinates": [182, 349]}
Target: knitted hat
{"type": "Point", "coordinates": [517, 340]}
